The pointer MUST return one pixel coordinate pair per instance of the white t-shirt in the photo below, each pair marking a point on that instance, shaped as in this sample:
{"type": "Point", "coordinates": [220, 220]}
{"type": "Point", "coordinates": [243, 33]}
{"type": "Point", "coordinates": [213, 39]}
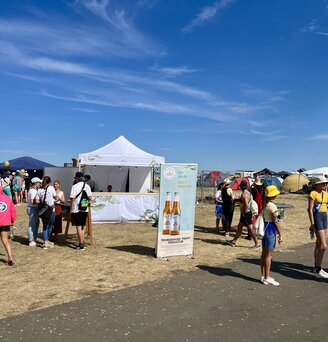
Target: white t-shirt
{"type": "Point", "coordinates": [218, 195]}
{"type": "Point", "coordinates": [77, 190]}
{"type": "Point", "coordinates": [51, 192]}
{"type": "Point", "coordinates": [32, 194]}
{"type": "Point", "coordinates": [5, 182]}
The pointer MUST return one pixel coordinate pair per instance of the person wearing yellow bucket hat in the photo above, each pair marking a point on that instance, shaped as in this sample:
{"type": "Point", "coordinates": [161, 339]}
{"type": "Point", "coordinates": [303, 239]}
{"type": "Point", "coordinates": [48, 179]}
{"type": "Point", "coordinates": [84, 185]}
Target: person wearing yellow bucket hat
{"type": "Point", "coordinates": [317, 211]}
{"type": "Point", "coordinates": [271, 229]}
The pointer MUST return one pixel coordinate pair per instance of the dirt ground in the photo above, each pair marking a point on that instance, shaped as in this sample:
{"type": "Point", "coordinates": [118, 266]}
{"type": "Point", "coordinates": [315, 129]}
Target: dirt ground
{"type": "Point", "coordinates": [122, 256]}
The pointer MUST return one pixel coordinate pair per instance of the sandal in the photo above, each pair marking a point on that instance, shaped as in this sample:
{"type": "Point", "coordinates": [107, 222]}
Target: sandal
{"type": "Point", "coordinates": [10, 263]}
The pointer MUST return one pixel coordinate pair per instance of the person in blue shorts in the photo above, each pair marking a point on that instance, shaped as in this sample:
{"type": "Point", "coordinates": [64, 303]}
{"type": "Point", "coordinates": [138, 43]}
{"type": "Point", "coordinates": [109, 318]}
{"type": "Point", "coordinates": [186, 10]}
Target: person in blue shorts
{"type": "Point", "coordinates": [317, 211]}
{"type": "Point", "coordinates": [271, 229]}
{"type": "Point", "coordinates": [218, 207]}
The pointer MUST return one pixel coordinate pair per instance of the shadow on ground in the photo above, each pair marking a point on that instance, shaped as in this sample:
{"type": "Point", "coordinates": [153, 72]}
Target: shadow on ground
{"type": "Point", "coordinates": [135, 249]}
{"type": "Point", "coordinates": [288, 269]}
{"type": "Point", "coordinates": [226, 272]}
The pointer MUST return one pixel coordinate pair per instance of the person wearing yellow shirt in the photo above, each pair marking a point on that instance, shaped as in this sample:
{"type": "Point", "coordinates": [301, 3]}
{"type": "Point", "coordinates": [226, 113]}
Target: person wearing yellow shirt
{"type": "Point", "coordinates": [317, 211]}
{"type": "Point", "coordinates": [271, 230]}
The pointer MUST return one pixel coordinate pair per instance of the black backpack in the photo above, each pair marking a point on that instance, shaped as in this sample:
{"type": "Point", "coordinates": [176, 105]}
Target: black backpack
{"type": "Point", "coordinates": [84, 200]}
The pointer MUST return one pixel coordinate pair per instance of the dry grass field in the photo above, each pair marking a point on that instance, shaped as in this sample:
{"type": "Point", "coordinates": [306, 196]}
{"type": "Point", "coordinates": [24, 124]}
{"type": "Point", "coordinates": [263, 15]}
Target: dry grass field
{"type": "Point", "coordinates": [122, 256]}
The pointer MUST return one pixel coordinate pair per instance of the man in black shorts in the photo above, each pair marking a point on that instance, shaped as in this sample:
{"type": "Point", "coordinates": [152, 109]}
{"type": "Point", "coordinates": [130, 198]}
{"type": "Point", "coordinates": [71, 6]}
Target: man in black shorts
{"type": "Point", "coordinates": [79, 217]}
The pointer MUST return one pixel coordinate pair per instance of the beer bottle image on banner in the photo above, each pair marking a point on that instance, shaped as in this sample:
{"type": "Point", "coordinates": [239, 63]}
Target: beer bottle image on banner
{"type": "Point", "coordinates": [167, 215]}
{"type": "Point", "coordinates": [176, 214]}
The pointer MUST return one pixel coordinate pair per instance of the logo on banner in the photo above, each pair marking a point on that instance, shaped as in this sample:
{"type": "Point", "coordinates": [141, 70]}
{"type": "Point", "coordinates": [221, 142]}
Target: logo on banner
{"type": "Point", "coordinates": [169, 173]}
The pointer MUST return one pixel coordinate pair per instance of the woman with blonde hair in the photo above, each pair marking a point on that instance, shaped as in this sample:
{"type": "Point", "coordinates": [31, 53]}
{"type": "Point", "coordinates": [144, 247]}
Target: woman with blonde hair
{"type": "Point", "coordinates": [59, 200]}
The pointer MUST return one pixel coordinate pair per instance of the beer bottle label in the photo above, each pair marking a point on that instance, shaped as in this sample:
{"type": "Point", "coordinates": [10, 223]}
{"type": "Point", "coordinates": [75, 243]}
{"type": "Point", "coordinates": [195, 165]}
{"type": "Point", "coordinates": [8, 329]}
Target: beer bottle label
{"type": "Point", "coordinates": [166, 221]}
{"type": "Point", "coordinates": [175, 222]}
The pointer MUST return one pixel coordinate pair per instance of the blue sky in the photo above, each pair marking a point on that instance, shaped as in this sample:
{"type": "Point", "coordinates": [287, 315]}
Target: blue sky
{"type": "Point", "coordinates": [227, 84]}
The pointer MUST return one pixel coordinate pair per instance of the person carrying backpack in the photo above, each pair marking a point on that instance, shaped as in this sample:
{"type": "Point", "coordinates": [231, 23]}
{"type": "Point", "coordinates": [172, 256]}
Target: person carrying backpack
{"type": "Point", "coordinates": [246, 216]}
{"type": "Point", "coordinates": [80, 198]}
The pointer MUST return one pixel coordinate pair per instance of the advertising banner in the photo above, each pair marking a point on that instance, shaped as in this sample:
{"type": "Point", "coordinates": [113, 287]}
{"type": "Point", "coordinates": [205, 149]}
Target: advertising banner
{"type": "Point", "coordinates": [124, 207]}
{"type": "Point", "coordinates": [176, 218]}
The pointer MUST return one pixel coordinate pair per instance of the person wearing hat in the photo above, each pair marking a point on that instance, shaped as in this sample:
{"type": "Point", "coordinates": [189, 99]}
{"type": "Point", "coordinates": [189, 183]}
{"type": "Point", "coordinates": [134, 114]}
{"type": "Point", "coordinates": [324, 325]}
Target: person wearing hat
{"type": "Point", "coordinates": [317, 211]}
{"type": "Point", "coordinates": [246, 216]}
{"type": "Point", "coordinates": [79, 217]}
{"type": "Point", "coordinates": [271, 229]}
{"type": "Point", "coordinates": [7, 218]}
{"type": "Point", "coordinates": [5, 183]}
{"type": "Point", "coordinates": [227, 206]}
{"type": "Point", "coordinates": [17, 184]}
{"type": "Point", "coordinates": [33, 211]}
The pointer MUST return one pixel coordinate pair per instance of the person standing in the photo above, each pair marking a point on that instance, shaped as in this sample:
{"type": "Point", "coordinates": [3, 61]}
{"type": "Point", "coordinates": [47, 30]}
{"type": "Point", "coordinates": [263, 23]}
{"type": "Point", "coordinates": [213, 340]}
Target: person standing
{"type": "Point", "coordinates": [227, 205]}
{"type": "Point", "coordinates": [60, 199]}
{"type": "Point", "coordinates": [33, 211]}
{"type": "Point", "coordinates": [79, 217]}
{"type": "Point", "coordinates": [7, 219]}
{"type": "Point", "coordinates": [47, 195]}
{"type": "Point", "coordinates": [5, 183]}
{"type": "Point", "coordinates": [246, 216]}
{"type": "Point", "coordinates": [17, 184]}
{"type": "Point", "coordinates": [218, 207]}
{"type": "Point", "coordinates": [271, 229]}
{"type": "Point", "coordinates": [317, 211]}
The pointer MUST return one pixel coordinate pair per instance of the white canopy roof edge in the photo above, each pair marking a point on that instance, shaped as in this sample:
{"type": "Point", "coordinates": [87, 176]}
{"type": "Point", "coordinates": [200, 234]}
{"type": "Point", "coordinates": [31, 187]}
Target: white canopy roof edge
{"type": "Point", "coordinates": [318, 171]}
{"type": "Point", "coordinates": [120, 152]}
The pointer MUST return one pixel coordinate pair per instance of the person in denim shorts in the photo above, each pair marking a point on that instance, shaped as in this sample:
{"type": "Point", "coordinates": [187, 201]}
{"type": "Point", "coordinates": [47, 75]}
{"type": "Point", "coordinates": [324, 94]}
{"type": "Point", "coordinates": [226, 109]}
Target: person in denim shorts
{"type": "Point", "coordinates": [271, 229]}
{"type": "Point", "coordinates": [317, 211]}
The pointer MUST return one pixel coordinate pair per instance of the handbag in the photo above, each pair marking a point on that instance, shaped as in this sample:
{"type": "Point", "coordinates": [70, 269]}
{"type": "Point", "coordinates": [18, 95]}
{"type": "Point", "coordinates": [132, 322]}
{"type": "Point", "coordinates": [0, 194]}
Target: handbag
{"type": "Point", "coordinates": [258, 226]}
{"type": "Point", "coordinates": [45, 210]}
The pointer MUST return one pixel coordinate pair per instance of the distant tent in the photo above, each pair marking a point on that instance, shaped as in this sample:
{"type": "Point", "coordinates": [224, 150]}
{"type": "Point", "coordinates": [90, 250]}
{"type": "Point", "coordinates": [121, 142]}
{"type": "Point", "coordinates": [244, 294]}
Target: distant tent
{"type": "Point", "coordinates": [294, 183]}
{"type": "Point", "coordinates": [271, 181]}
{"type": "Point", "coordinates": [282, 174]}
{"type": "Point", "coordinates": [263, 172]}
{"type": "Point", "coordinates": [236, 183]}
{"type": "Point", "coordinates": [33, 166]}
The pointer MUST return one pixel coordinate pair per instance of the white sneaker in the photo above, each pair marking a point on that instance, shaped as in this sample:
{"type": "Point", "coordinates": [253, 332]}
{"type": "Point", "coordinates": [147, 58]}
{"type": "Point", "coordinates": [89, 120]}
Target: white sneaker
{"type": "Point", "coordinates": [32, 243]}
{"type": "Point", "coordinates": [270, 281]}
{"type": "Point", "coordinates": [262, 279]}
{"type": "Point", "coordinates": [322, 274]}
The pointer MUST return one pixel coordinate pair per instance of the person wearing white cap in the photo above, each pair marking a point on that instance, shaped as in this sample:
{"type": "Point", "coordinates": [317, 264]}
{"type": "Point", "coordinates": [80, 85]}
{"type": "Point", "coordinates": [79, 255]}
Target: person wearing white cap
{"type": "Point", "coordinates": [33, 211]}
{"type": "Point", "coordinates": [5, 182]}
{"type": "Point", "coordinates": [317, 211]}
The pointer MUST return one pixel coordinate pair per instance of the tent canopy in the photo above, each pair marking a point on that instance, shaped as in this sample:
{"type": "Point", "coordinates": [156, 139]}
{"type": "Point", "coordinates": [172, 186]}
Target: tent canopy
{"type": "Point", "coordinates": [294, 183]}
{"type": "Point", "coordinates": [316, 172]}
{"type": "Point", "coordinates": [26, 163]}
{"type": "Point", "coordinates": [120, 152]}
{"type": "Point", "coordinates": [236, 183]}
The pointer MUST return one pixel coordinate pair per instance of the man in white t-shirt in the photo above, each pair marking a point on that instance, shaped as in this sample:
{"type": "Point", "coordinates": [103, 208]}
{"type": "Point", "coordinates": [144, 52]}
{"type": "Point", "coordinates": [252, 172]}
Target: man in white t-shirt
{"type": "Point", "coordinates": [79, 217]}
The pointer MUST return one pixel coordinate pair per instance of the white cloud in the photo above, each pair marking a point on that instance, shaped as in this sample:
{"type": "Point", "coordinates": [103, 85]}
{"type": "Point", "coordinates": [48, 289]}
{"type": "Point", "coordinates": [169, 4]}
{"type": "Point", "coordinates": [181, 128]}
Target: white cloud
{"type": "Point", "coordinates": [206, 14]}
{"type": "Point", "coordinates": [177, 71]}
{"type": "Point", "coordinates": [320, 137]}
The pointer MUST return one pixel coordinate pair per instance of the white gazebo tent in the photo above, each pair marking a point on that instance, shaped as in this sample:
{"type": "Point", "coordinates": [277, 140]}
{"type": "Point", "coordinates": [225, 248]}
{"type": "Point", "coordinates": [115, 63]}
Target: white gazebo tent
{"type": "Point", "coordinates": [121, 164]}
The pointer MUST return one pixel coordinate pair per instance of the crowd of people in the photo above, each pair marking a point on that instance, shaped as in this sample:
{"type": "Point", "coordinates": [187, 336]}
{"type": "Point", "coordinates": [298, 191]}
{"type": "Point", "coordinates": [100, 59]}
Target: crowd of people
{"type": "Point", "coordinates": [225, 202]}
{"type": "Point", "coordinates": [45, 201]}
